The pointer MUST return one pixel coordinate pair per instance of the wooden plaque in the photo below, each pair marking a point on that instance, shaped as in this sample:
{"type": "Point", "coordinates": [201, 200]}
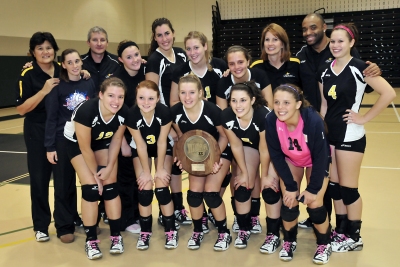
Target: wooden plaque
{"type": "Point", "coordinates": [198, 151]}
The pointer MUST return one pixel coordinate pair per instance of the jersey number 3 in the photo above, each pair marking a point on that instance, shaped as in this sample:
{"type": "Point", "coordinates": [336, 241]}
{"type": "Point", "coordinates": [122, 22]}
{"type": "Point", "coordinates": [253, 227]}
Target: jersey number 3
{"type": "Point", "coordinates": [295, 143]}
{"type": "Point", "coordinates": [332, 92]}
{"type": "Point", "coordinates": [151, 139]}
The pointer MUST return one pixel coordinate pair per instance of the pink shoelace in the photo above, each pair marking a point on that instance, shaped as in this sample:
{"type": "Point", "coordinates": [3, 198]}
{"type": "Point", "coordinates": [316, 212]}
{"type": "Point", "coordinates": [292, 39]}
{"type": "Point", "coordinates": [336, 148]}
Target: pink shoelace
{"type": "Point", "coordinates": [170, 235]}
{"type": "Point", "coordinates": [114, 239]}
{"type": "Point", "coordinates": [221, 237]}
{"type": "Point", "coordinates": [286, 245]}
{"type": "Point", "coordinates": [321, 249]}
{"type": "Point", "coordinates": [269, 238]}
{"type": "Point", "coordinates": [94, 244]}
{"type": "Point", "coordinates": [195, 235]}
{"type": "Point", "coordinates": [144, 235]}
{"type": "Point", "coordinates": [254, 220]}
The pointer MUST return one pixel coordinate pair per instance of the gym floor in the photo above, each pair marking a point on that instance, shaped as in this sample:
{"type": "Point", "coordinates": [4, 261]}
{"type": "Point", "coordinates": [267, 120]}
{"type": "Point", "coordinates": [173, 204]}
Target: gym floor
{"type": "Point", "coordinates": [378, 187]}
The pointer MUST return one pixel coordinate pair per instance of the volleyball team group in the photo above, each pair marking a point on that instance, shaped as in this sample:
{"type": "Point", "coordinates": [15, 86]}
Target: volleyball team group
{"type": "Point", "coordinates": [105, 117]}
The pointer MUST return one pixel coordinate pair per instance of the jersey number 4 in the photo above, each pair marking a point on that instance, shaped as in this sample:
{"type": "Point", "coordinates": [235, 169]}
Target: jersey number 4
{"type": "Point", "coordinates": [332, 92]}
{"type": "Point", "coordinates": [295, 143]}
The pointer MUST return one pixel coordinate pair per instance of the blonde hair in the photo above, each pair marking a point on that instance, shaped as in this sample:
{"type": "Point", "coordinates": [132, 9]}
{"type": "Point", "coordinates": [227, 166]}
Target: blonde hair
{"type": "Point", "coordinates": [203, 40]}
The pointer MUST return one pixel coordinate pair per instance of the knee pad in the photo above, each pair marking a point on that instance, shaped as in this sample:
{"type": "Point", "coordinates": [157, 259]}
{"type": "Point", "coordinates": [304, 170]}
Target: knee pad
{"type": "Point", "coordinates": [175, 170]}
{"type": "Point", "coordinates": [194, 199]}
{"type": "Point", "coordinates": [349, 195]}
{"type": "Point", "coordinates": [270, 196]}
{"type": "Point", "coordinates": [163, 195]}
{"type": "Point", "coordinates": [334, 191]}
{"type": "Point", "coordinates": [145, 197]}
{"type": "Point", "coordinates": [242, 194]}
{"type": "Point", "coordinates": [213, 199]}
{"type": "Point", "coordinates": [289, 215]}
{"type": "Point", "coordinates": [90, 192]}
{"type": "Point", "coordinates": [110, 191]}
{"type": "Point", "coordinates": [226, 181]}
{"type": "Point", "coordinates": [317, 215]}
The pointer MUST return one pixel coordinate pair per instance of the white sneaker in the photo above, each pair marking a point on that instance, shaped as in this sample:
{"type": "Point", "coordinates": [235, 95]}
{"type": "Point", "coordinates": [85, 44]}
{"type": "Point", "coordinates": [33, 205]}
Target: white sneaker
{"type": "Point", "coordinates": [92, 250]}
{"type": "Point", "coordinates": [322, 254]}
{"type": "Point", "coordinates": [235, 225]}
{"type": "Point", "coordinates": [271, 244]}
{"type": "Point", "coordinates": [182, 217]}
{"type": "Point", "coordinates": [41, 236]}
{"type": "Point", "coordinates": [195, 240]}
{"type": "Point", "coordinates": [171, 240]}
{"type": "Point", "coordinates": [339, 242]}
{"type": "Point", "coordinates": [223, 241]}
{"type": "Point", "coordinates": [143, 242]}
{"type": "Point", "coordinates": [256, 227]}
{"type": "Point", "coordinates": [204, 225]}
{"type": "Point", "coordinates": [134, 228]}
{"type": "Point", "coordinates": [242, 238]}
{"type": "Point", "coordinates": [117, 244]}
{"type": "Point", "coordinates": [288, 248]}
{"type": "Point", "coordinates": [354, 245]}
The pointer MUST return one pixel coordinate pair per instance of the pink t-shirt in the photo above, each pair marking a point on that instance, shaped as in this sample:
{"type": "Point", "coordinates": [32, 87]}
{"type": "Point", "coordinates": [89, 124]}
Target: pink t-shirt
{"type": "Point", "coordinates": [294, 144]}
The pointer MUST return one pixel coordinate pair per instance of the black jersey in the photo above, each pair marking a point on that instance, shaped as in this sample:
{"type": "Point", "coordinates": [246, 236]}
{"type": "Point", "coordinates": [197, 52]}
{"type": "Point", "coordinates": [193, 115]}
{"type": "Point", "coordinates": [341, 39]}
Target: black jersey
{"type": "Point", "coordinates": [100, 71]}
{"type": "Point", "coordinates": [30, 83]}
{"type": "Point", "coordinates": [150, 132]}
{"type": "Point", "coordinates": [60, 104]}
{"type": "Point", "coordinates": [131, 82]}
{"type": "Point", "coordinates": [209, 118]}
{"type": "Point", "coordinates": [343, 91]}
{"type": "Point", "coordinates": [250, 135]}
{"type": "Point", "coordinates": [88, 114]}
{"type": "Point", "coordinates": [288, 73]}
{"type": "Point", "coordinates": [225, 83]}
{"type": "Point", "coordinates": [310, 62]}
{"type": "Point", "coordinates": [161, 65]}
{"type": "Point", "coordinates": [209, 79]}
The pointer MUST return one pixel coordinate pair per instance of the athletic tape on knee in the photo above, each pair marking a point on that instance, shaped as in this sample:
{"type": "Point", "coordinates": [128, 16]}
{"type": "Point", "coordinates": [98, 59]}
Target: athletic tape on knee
{"type": "Point", "coordinates": [349, 195]}
{"type": "Point", "coordinates": [242, 194]}
{"type": "Point", "coordinates": [317, 215]}
{"type": "Point", "coordinates": [289, 215]}
{"type": "Point", "coordinates": [163, 195]}
{"type": "Point", "coordinates": [334, 191]}
{"type": "Point", "coordinates": [213, 199]}
{"type": "Point", "coordinates": [194, 199]}
{"type": "Point", "coordinates": [270, 196]}
{"type": "Point", "coordinates": [90, 192]}
{"type": "Point", "coordinates": [110, 191]}
{"type": "Point", "coordinates": [145, 197]}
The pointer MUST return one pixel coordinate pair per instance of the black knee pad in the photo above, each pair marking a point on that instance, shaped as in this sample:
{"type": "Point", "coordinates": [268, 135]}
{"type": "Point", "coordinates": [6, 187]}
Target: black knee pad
{"type": "Point", "coordinates": [175, 170]}
{"type": "Point", "coordinates": [242, 194]}
{"type": "Point", "coordinates": [163, 195]}
{"type": "Point", "coordinates": [145, 197]}
{"type": "Point", "coordinates": [226, 181]}
{"type": "Point", "coordinates": [194, 199]}
{"type": "Point", "coordinates": [334, 191]}
{"type": "Point", "coordinates": [349, 195]}
{"type": "Point", "coordinates": [270, 196]}
{"type": "Point", "coordinates": [289, 215]}
{"type": "Point", "coordinates": [90, 192]}
{"type": "Point", "coordinates": [317, 215]}
{"type": "Point", "coordinates": [213, 199]}
{"type": "Point", "coordinates": [110, 191]}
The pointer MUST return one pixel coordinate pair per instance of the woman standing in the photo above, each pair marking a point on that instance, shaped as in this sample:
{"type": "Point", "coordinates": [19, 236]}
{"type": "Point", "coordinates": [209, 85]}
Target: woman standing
{"type": "Point", "coordinates": [163, 60]}
{"type": "Point", "coordinates": [243, 124]}
{"type": "Point", "coordinates": [96, 131]}
{"type": "Point", "coordinates": [34, 84]}
{"type": "Point", "coordinates": [342, 87]}
{"type": "Point", "coordinates": [195, 113]}
{"type": "Point", "coordinates": [149, 122]}
{"type": "Point", "coordinates": [60, 103]}
{"type": "Point", "coordinates": [297, 144]}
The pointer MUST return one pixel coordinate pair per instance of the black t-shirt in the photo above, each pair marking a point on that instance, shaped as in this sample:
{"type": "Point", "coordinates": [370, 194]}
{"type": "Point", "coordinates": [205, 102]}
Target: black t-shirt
{"type": "Point", "coordinates": [225, 83]}
{"type": "Point", "coordinates": [209, 118]}
{"type": "Point", "coordinates": [150, 132]}
{"type": "Point", "coordinates": [343, 91]}
{"type": "Point", "coordinates": [250, 135]}
{"type": "Point", "coordinates": [287, 73]}
{"type": "Point", "coordinates": [88, 114]}
{"type": "Point", "coordinates": [131, 82]}
{"type": "Point", "coordinates": [161, 65]}
{"type": "Point", "coordinates": [209, 80]}
{"type": "Point", "coordinates": [29, 84]}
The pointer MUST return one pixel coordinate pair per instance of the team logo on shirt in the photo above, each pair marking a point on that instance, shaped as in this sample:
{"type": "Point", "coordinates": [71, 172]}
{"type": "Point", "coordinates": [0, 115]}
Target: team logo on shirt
{"type": "Point", "coordinates": [159, 120]}
{"type": "Point", "coordinates": [288, 75]}
{"type": "Point", "coordinates": [109, 75]}
{"type": "Point", "coordinates": [209, 120]}
{"type": "Point", "coordinates": [303, 61]}
{"type": "Point", "coordinates": [139, 124]}
{"type": "Point", "coordinates": [121, 120]}
{"type": "Point", "coordinates": [255, 126]}
{"type": "Point", "coordinates": [95, 121]}
{"type": "Point", "coordinates": [74, 99]}
{"type": "Point", "coordinates": [183, 56]}
{"type": "Point", "coordinates": [229, 124]}
{"type": "Point", "coordinates": [329, 60]}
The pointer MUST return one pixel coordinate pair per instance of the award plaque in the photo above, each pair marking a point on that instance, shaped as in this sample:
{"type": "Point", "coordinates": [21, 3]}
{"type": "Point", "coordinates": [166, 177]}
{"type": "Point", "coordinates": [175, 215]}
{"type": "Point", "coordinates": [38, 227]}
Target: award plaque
{"type": "Point", "coordinates": [198, 151]}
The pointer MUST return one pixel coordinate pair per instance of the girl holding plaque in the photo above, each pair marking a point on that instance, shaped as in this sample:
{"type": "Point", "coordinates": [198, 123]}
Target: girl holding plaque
{"type": "Point", "coordinates": [243, 124]}
{"type": "Point", "coordinates": [193, 113]}
{"type": "Point", "coordinates": [297, 145]}
{"type": "Point", "coordinates": [149, 123]}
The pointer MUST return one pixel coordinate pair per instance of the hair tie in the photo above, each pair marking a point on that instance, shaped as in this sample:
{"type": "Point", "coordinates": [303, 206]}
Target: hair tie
{"type": "Point", "coordinates": [294, 89]}
{"type": "Point", "coordinates": [346, 29]}
{"type": "Point", "coordinates": [124, 46]}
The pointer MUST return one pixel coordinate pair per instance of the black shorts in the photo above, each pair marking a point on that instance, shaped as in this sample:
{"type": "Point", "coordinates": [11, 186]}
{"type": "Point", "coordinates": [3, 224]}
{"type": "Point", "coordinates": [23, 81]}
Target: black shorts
{"type": "Point", "coordinates": [354, 146]}
{"type": "Point", "coordinates": [227, 153]}
{"type": "Point", "coordinates": [73, 149]}
{"type": "Point", "coordinates": [152, 151]}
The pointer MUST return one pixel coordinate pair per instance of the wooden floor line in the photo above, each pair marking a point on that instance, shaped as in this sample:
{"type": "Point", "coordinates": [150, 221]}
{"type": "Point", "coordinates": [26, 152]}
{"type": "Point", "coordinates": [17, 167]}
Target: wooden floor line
{"type": "Point", "coordinates": [13, 152]}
